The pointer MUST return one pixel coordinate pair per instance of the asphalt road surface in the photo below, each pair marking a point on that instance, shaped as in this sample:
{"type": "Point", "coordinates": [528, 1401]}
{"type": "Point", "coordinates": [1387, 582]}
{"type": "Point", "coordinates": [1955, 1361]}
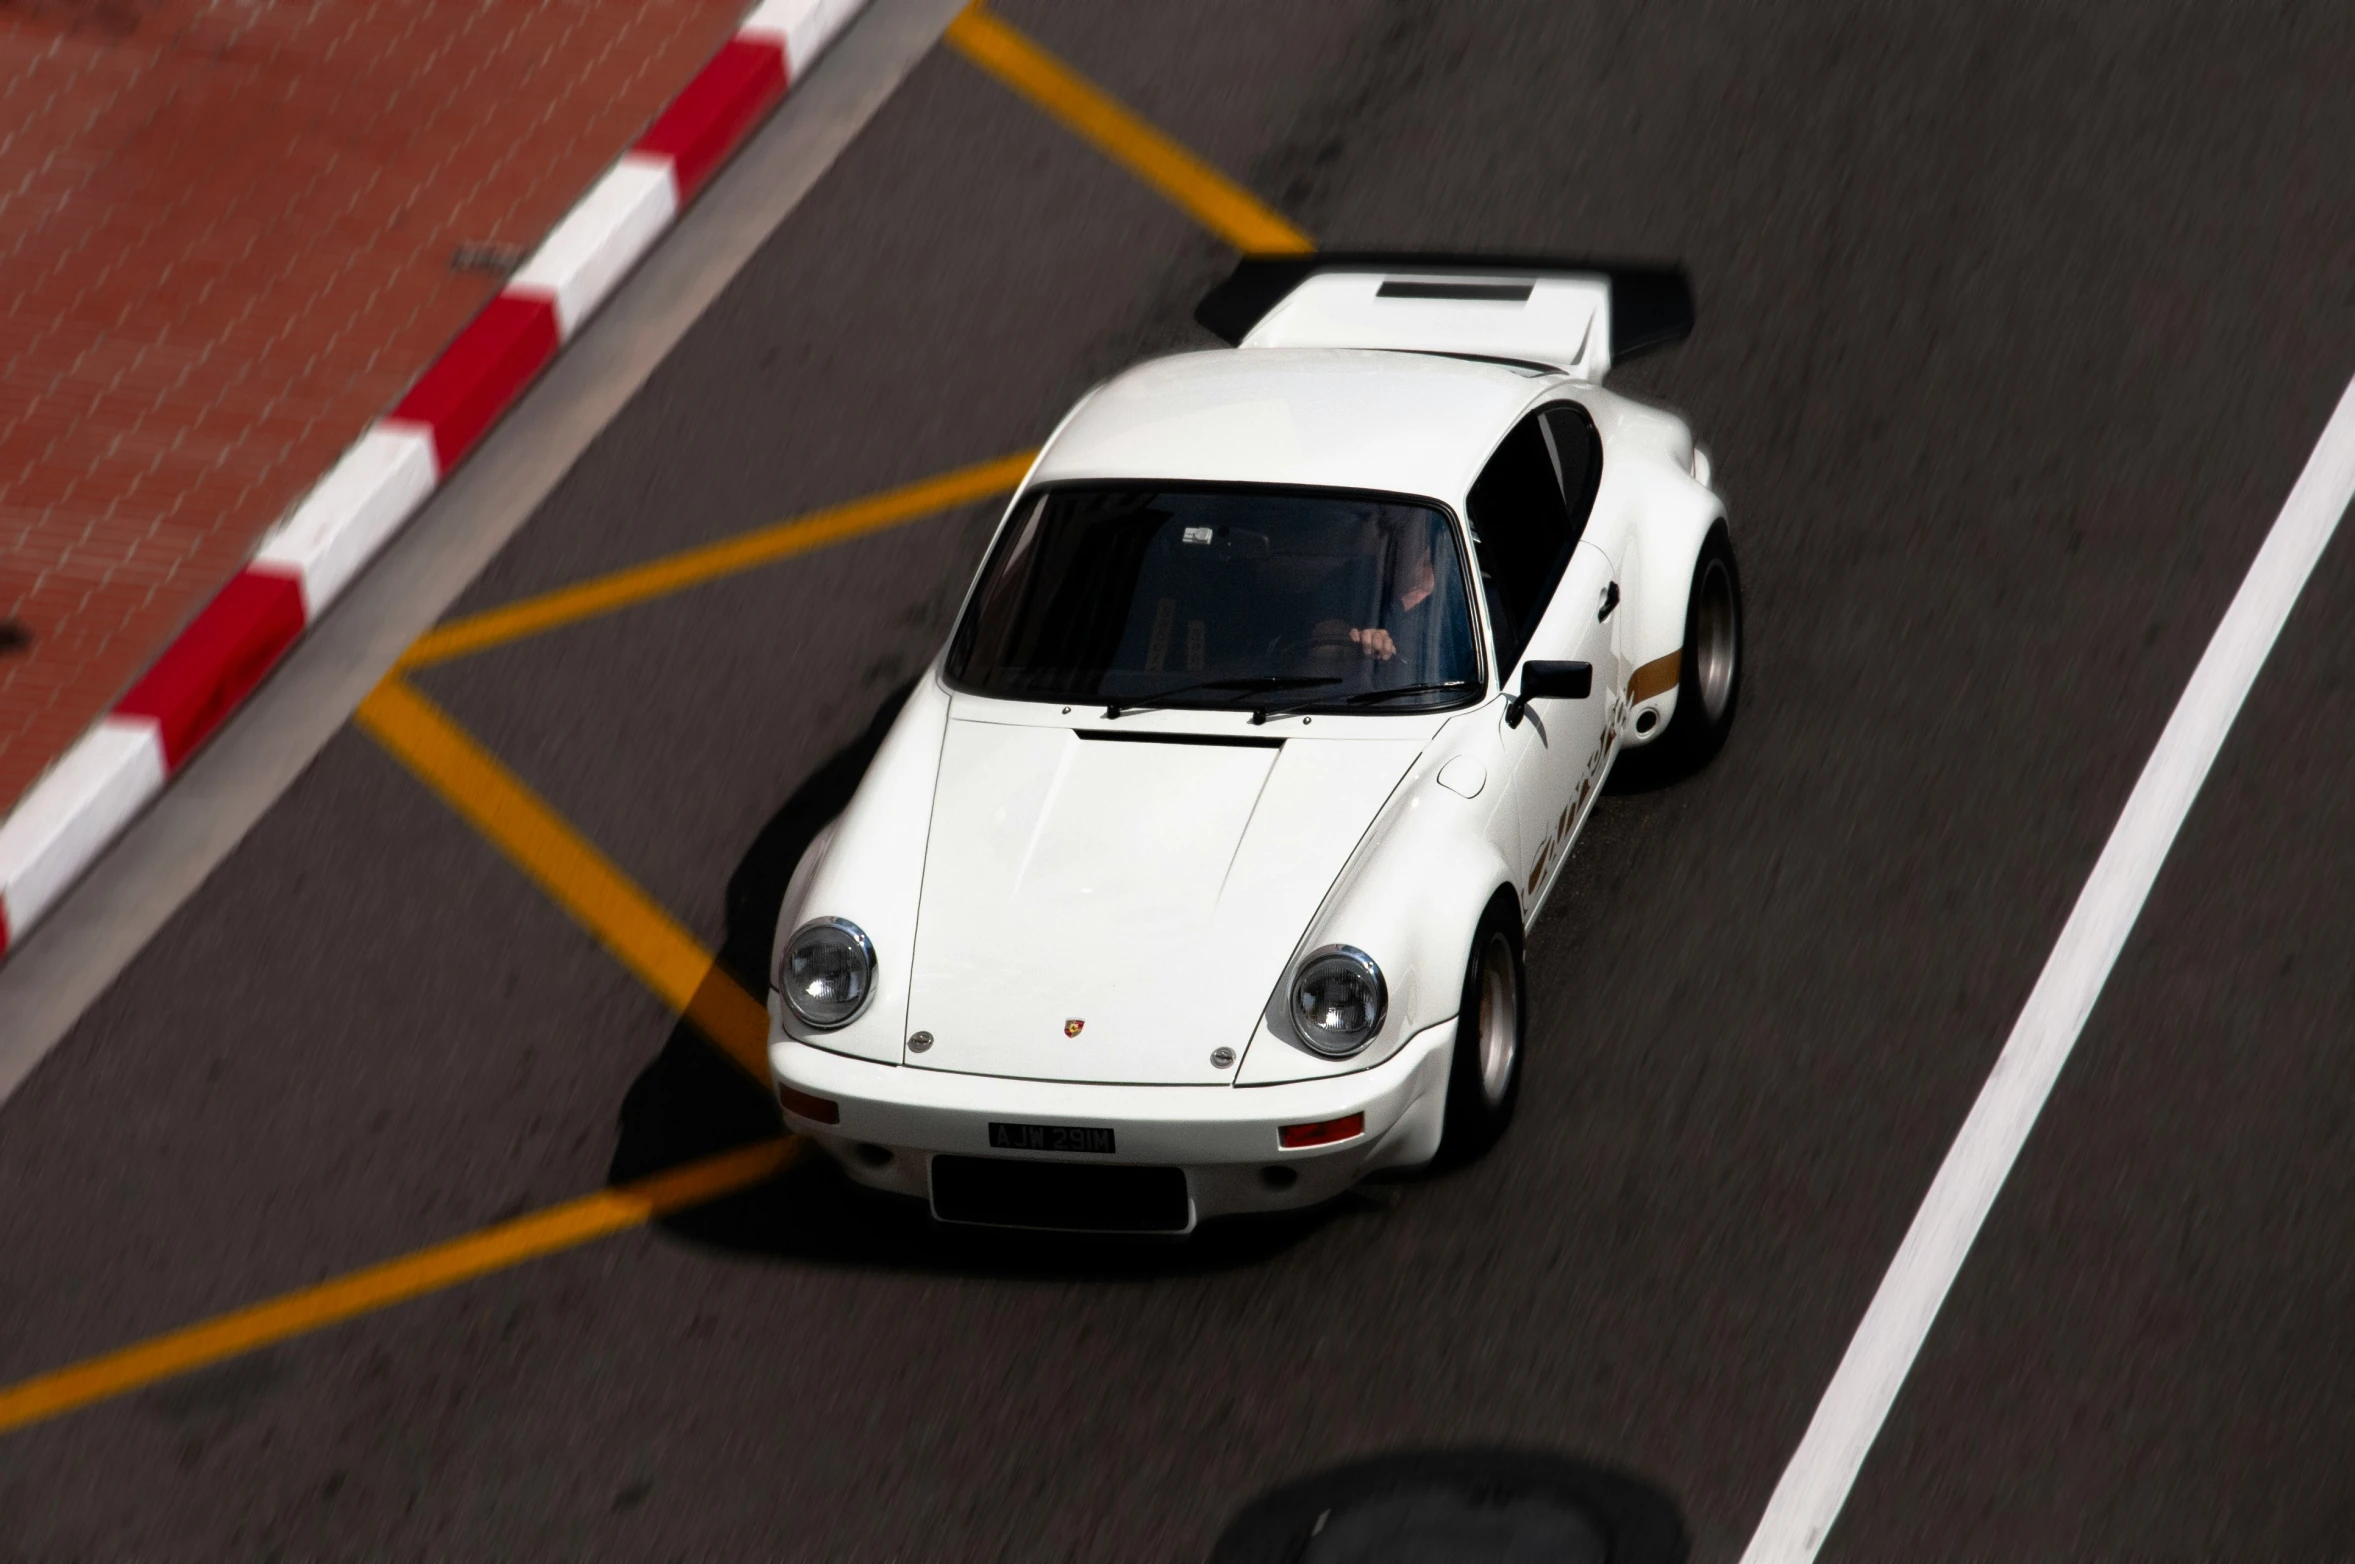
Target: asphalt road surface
{"type": "Point", "coordinates": [2017, 323]}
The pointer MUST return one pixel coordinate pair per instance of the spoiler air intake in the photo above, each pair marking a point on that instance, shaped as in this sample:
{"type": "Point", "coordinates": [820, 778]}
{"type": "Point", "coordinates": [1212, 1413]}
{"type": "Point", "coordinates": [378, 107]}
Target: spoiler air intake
{"type": "Point", "coordinates": [1576, 315]}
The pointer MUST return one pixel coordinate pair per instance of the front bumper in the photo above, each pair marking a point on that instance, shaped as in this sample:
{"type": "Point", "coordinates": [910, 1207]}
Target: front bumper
{"type": "Point", "coordinates": [896, 1118]}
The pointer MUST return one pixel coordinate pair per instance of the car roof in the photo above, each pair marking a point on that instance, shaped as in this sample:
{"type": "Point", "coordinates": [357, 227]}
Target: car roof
{"type": "Point", "coordinates": [1406, 423]}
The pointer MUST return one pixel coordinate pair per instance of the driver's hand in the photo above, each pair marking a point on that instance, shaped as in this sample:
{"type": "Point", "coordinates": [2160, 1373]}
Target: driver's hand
{"type": "Point", "coordinates": [1375, 644]}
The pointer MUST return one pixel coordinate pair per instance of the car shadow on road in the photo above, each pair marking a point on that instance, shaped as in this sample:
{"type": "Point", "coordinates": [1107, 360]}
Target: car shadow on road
{"type": "Point", "coordinates": [1651, 770]}
{"type": "Point", "coordinates": [1461, 1503]}
{"type": "Point", "coordinates": [692, 1102]}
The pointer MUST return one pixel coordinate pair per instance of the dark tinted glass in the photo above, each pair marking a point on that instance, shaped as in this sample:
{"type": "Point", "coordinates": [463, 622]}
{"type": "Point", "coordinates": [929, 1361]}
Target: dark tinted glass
{"type": "Point", "coordinates": [1522, 533]}
{"type": "Point", "coordinates": [1578, 454]}
{"type": "Point", "coordinates": [1212, 597]}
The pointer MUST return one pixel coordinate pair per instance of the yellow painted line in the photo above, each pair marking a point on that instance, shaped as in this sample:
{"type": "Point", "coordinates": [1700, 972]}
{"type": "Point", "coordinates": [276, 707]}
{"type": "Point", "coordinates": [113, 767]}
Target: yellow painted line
{"type": "Point", "coordinates": [359, 1292]}
{"type": "Point", "coordinates": [584, 882]}
{"type": "Point", "coordinates": [625, 588]}
{"type": "Point", "coordinates": [1212, 199]}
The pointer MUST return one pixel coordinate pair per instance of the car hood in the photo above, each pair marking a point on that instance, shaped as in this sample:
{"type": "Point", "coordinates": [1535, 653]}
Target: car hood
{"type": "Point", "coordinates": [1099, 909]}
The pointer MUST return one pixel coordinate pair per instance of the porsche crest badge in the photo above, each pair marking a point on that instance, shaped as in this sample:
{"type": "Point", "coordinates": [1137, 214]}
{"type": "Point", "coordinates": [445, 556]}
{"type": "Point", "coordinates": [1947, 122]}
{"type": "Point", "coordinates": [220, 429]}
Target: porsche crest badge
{"type": "Point", "coordinates": [1072, 1028]}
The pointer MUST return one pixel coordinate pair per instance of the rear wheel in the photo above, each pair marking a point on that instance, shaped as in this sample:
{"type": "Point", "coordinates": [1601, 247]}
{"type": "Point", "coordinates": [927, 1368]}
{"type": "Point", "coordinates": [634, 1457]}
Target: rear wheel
{"type": "Point", "coordinates": [1709, 675]}
{"type": "Point", "coordinates": [1484, 1078]}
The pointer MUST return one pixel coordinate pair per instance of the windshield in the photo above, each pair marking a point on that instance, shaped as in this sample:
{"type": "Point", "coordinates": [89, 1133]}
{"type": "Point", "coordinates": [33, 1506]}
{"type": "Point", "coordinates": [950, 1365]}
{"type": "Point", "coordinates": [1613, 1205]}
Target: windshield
{"type": "Point", "coordinates": [1221, 597]}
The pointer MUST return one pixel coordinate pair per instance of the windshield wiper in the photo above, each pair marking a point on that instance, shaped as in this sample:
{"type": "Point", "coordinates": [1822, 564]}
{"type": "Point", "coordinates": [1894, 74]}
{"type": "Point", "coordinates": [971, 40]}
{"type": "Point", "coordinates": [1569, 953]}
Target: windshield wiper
{"type": "Point", "coordinates": [1252, 686]}
{"type": "Point", "coordinates": [1361, 698]}
{"type": "Point", "coordinates": [1370, 697]}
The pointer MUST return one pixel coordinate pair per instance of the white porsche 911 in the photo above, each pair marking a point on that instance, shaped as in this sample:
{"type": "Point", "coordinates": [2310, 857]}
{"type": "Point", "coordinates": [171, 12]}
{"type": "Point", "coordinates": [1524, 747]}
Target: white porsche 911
{"type": "Point", "coordinates": [1191, 880]}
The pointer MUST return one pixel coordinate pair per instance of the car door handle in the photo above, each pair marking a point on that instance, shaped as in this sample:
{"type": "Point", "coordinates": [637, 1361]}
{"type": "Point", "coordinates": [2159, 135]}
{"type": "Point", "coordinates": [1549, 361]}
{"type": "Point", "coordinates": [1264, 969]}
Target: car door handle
{"type": "Point", "coordinates": [1610, 601]}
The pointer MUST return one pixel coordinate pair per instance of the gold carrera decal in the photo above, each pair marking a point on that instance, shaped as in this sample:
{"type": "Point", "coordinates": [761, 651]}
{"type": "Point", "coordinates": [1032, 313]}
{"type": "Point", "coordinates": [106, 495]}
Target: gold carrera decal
{"type": "Point", "coordinates": [1558, 836]}
{"type": "Point", "coordinates": [1656, 677]}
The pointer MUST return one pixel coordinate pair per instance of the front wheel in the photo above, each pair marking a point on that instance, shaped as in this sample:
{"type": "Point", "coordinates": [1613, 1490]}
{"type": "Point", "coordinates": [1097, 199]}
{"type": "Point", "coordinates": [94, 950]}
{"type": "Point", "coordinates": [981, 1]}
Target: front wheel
{"type": "Point", "coordinates": [1484, 1077]}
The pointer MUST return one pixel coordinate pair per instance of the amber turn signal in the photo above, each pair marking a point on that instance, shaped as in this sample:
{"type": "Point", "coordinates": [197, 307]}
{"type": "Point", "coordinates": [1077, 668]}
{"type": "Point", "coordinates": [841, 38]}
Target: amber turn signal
{"type": "Point", "coordinates": [1293, 1136]}
{"type": "Point", "coordinates": [818, 1110]}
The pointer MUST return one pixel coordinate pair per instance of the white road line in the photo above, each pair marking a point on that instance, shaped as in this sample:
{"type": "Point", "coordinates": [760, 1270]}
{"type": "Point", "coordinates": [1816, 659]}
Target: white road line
{"type": "Point", "coordinates": [1849, 1419]}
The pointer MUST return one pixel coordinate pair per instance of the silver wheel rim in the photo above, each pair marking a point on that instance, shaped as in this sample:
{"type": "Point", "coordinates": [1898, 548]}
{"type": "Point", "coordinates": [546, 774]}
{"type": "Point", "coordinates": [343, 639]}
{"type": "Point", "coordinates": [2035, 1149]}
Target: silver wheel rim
{"type": "Point", "coordinates": [1714, 639]}
{"type": "Point", "coordinates": [1500, 1031]}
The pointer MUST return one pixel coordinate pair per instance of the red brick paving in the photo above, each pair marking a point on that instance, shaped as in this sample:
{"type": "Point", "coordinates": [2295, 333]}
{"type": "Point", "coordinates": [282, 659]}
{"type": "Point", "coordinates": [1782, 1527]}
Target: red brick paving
{"type": "Point", "coordinates": [226, 234]}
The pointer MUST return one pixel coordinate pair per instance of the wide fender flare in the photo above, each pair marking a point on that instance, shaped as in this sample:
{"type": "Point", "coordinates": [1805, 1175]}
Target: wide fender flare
{"type": "Point", "coordinates": [868, 867]}
{"type": "Point", "coordinates": [1676, 517]}
{"type": "Point", "coordinates": [1412, 897]}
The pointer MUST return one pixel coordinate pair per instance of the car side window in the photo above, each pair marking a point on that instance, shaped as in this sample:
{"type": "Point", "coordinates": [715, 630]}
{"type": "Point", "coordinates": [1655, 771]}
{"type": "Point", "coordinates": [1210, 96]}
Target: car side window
{"type": "Point", "coordinates": [1577, 448]}
{"type": "Point", "coordinates": [1524, 533]}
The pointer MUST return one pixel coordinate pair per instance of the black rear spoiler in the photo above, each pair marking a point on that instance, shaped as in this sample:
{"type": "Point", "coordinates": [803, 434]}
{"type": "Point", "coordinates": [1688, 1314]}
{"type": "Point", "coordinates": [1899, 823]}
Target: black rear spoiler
{"type": "Point", "coordinates": [1651, 302]}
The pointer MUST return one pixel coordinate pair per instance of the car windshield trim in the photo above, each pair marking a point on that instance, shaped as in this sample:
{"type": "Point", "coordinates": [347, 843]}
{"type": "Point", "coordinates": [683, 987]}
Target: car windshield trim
{"type": "Point", "coordinates": [1098, 592]}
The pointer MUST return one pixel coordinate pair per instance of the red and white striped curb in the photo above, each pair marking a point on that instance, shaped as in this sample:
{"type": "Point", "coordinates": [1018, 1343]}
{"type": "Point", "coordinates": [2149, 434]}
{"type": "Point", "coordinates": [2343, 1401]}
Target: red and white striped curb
{"type": "Point", "coordinates": [95, 789]}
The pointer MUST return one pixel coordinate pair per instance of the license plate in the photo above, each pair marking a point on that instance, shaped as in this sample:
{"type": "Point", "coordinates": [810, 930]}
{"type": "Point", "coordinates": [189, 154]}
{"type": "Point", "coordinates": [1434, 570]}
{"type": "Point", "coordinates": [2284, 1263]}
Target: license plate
{"type": "Point", "coordinates": [1050, 1137]}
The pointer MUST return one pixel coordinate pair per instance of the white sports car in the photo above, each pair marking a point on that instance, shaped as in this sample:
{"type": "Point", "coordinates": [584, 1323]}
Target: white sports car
{"type": "Point", "coordinates": [1191, 880]}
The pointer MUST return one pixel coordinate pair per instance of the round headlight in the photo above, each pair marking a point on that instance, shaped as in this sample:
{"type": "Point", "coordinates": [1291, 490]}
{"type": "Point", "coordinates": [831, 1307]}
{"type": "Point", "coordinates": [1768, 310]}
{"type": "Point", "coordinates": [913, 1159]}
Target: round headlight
{"type": "Point", "coordinates": [827, 972]}
{"type": "Point", "coordinates": [1338, 1000]}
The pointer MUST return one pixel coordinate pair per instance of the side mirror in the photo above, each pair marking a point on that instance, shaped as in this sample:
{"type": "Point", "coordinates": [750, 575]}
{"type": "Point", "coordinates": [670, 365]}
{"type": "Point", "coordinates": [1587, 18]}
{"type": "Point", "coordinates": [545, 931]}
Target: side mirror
{"type": "Point", "coordinates": [1549, 682]}
{"type": "Point", "coordinates": [1557, 681]}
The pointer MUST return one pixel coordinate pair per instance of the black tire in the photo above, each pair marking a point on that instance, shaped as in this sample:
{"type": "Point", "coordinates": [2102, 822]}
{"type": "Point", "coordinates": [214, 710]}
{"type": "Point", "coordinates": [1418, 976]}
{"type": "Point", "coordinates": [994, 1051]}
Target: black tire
{"type": "Point", "coordinates": [1709, 675]}
{"type": "Point", "coordinates": [1481, 1087]}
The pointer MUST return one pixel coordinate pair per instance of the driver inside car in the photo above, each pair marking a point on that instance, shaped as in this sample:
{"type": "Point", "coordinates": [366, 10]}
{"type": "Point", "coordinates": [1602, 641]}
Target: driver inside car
{"type": "Point", "coordinates": [1414, 579]}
